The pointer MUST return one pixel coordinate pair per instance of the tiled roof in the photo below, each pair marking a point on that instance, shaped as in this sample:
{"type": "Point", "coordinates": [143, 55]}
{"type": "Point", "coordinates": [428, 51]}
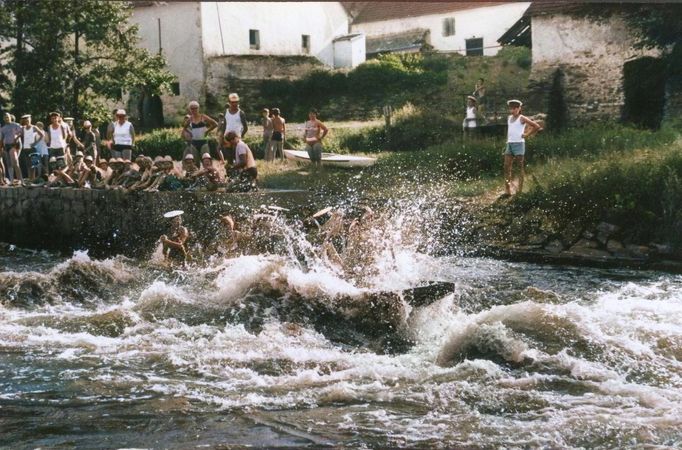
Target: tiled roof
{"type": "Point", "coordinates": [414, 39]}
{"type": "Point", "coordinates": [379, 11]}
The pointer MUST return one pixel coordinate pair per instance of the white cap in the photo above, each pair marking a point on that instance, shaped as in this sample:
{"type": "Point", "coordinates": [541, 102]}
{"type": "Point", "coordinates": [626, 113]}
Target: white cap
{"type": "Point", "coordinates": [233, 97]}
{"type": "Point", "coordinates": [87, 123]}
{"type": "Point", "coordinates": [79, 153]}
{"type": "Point", "coordinates": [205, 156]}
{"type": "Point", "coordinates": [189, 156]}
{"type": "Point", "coordinates": [88, 158]}
{"type": "Point", "coordinates": [519, 102]}
{"type": "Point", "coordinates": [121, 112]}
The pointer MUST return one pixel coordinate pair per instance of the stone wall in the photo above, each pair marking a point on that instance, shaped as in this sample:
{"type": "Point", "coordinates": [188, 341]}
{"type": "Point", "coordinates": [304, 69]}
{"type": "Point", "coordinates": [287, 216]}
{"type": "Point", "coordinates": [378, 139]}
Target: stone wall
{"type": "Point", "coordinates": [244, 74]}
{"type": "Point", "coordinates": [114, 222]}
{"type": "Point", "coordinates": [591, 55]}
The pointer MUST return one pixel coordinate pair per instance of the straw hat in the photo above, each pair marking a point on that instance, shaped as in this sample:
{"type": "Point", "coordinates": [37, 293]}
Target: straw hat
{"type": "Point", "coordinates": [174, 213]}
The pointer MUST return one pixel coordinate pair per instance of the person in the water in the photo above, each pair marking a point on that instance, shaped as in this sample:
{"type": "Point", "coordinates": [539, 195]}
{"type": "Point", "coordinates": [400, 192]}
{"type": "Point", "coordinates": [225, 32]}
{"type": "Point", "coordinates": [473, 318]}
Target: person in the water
{"type": "Point", "coordinates": [174, 248]}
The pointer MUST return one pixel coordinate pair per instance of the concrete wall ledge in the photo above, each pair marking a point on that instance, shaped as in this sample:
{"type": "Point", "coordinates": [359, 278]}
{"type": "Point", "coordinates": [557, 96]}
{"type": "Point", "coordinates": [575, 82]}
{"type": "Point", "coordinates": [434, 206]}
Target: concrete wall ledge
{"type": "Point", "coordinates": [115, 222]}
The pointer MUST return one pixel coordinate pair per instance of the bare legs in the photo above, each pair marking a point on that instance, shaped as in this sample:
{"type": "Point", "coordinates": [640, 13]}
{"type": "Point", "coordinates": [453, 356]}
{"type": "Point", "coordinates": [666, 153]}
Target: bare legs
{"type": "Point", "coordinates": [508, 163]}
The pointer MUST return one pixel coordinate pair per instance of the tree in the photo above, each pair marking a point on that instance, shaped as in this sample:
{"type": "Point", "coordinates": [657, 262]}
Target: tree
{"type": "Point", "coordinates": [74, 55]}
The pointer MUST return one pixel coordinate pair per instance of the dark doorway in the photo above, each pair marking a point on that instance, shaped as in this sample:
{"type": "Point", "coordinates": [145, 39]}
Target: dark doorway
{"type": "Point", "coordinates": [644, 86]}
{"type": "Point", "coordinates": [557, 111]}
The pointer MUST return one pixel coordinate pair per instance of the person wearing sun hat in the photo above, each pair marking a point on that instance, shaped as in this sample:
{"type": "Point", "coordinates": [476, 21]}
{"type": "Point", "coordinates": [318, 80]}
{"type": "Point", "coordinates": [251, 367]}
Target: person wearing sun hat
{"type": "Point", "coordinates": [122, 136]}
{"type": "Point", "coordinates": [233, 120]}
{"type": "Point", "coordinates": [175, 243]}
{"type": "Point", "coordinates": [212, 179]}
{"type": "Point", "coordinates": [30, 136]}
{"type": "Point", "coordinates": [519, 127]}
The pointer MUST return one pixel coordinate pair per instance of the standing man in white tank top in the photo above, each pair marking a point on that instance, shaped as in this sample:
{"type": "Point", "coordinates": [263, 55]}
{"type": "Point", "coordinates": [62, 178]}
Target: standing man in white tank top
{"type": "Point", "coordinates": [233, 120]}
{"type": "Point", "coordinates": [516, 144]}
{"type": "Point", "coordinates": [122, 136]}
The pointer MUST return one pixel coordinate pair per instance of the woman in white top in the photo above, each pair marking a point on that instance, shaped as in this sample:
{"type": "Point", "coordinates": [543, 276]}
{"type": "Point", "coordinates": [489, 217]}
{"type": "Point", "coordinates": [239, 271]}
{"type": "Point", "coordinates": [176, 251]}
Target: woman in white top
{"type": "Point", "coordinates": [195, 128]}
{"type": "Point", "coordinates": [516, 143]}
{"type": "Point", "coordinates": [469, 123]}
{"type": "Point", "coordinates": [123, 137]}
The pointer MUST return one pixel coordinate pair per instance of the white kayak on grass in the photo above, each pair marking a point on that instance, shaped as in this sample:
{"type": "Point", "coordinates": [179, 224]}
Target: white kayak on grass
{"type": "Point", "coordinates": [332, 159]}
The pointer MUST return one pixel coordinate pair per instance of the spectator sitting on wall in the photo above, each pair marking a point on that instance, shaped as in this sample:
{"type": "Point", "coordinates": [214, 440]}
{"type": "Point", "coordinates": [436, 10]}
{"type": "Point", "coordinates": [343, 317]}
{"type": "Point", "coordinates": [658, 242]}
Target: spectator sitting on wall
{"type": "Point", "coordinates": [244, 173]}
{"type": "Point", "coordinates": [146, 177]}
{"type": "Point", "coordinates": [90, 175]}
{"type": "Point", "coordinates": [117, 168]}
{"type": "Point", "coordinates": [189, 169]}
{"type": "Point", "coordinates": [76, 167]}
{"type": "Point", "coordinates": [212, 179]}
{"type": "Point", "coordinates": [131, 174]}
{"type": "Point", "coordinates": [58, 176]}
{"type": "Point", "coordinates": [103, 166]}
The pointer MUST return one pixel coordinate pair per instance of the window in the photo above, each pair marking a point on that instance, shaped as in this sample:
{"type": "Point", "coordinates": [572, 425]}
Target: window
{"type": "Point", "coordinates": [474, 47]}
{"type": "Point", "coordinates": [449, 26]}
{"type": "Point", "coordinates": [305, 43]}
{"type": "Point", "coordinates": [254, 39]}
{"type": "Point", "coordinates": [175, 88]}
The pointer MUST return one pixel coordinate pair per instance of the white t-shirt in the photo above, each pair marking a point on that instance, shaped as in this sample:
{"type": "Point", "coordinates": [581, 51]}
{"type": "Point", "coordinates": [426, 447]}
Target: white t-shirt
{"type": "Point", "coordinates": [243, 149]}
{"type": "Point", "coordinates": [233, 122]}
{"type": "Point", "coordinates": [122, 135]}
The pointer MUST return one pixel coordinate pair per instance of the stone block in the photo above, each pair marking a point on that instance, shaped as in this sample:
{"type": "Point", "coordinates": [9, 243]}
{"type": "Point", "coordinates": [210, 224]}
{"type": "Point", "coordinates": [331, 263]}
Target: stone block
{"type": "Point", "coordinates": [638, 251]}
{"type": "Point", "coordinates": [555, 246]}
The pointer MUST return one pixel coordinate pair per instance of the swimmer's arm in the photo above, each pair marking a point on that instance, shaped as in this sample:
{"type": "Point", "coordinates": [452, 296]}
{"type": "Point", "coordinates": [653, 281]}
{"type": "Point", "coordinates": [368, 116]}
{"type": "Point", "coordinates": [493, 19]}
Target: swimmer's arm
{"type": "Point", "coordinates": [535, 127]}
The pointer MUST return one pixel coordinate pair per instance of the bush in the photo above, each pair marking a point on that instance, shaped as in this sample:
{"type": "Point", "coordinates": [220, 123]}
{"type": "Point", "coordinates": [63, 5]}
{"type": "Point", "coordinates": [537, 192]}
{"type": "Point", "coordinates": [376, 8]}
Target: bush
{"type": "Point", "coordinates": [161, 142]}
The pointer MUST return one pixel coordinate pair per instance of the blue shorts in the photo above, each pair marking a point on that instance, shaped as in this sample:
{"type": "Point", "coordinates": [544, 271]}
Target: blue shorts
{"type": "Point", "coordinates": [515, 148]}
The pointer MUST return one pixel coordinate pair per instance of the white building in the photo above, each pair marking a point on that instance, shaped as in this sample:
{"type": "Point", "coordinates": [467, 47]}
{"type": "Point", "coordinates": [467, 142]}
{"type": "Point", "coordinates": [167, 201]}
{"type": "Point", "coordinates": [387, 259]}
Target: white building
{"type": "Point", "coordinates": [470, 28]}
{"type": "Point", "coordinates": [207, 43]}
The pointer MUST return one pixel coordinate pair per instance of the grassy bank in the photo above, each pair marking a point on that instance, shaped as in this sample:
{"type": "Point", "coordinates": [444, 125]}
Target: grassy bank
{"type": "Point", "coordinates": [624, 176]}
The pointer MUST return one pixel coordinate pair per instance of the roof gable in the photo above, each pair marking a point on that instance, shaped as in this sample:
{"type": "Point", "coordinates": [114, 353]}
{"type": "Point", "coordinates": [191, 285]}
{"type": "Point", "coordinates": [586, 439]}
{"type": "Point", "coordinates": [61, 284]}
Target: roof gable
{"type": "Point", "coordinates": [380, 11]}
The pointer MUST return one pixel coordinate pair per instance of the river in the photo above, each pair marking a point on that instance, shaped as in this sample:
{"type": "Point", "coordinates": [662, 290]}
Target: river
{"type": "Point", "coordinates": [283, 349]}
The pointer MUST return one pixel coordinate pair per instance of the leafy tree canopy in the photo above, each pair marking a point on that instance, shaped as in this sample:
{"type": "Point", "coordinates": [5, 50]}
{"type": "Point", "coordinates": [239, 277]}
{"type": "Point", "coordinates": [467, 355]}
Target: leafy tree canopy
{"type": "Point", "coordinates": [74, 55]}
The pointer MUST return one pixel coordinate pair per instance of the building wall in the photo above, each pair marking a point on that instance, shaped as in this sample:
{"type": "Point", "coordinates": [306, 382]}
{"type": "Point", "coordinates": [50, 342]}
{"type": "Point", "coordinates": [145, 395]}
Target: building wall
{"type": "Point", "coordinates": [486, 22]}
{"type": "Point", "coordinates": [181, 44]}
{"type": "Point", "coordinates": [591, 55]}
{"type": "Point", "coordinates": [349, 52]}
{"type": "Point", "coordinates": [280, 25]}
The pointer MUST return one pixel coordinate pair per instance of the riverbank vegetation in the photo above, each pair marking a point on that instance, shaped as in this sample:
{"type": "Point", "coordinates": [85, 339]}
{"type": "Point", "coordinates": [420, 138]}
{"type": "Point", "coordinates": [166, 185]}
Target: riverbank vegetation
{"type": "Point", "coordinates": [603, 173]}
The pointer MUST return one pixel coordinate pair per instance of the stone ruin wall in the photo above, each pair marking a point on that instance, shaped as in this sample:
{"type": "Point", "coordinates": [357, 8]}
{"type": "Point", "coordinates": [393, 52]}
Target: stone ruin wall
{"type": "Point", "coordinates": [113, 222]}
{"type": "Point", "coordinates": [244, 74]}
{"type": "Point", "coordinates": [591, 55]}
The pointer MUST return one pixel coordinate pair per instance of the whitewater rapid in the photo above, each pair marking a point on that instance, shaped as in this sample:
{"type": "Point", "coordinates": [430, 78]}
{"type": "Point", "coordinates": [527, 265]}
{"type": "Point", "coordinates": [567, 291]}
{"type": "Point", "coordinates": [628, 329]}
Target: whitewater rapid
{"type": "Point", "coordinates": [515, 356]}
